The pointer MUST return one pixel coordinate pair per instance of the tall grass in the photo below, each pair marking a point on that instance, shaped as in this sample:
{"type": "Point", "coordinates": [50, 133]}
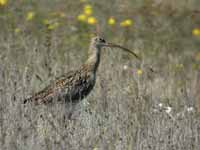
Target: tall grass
{"type": "Point", "coordinates": [126, 109]}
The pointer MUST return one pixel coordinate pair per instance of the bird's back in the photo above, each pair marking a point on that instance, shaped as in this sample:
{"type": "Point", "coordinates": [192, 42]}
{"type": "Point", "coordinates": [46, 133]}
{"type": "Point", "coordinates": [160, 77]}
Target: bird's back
{"type": "Point", "coordinates": [70, 87]}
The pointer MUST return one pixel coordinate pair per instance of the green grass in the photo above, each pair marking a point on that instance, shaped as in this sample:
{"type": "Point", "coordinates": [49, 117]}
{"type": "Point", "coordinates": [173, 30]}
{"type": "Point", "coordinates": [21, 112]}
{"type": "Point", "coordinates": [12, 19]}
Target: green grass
{"type": "Point", "coordinates": [125, 110]}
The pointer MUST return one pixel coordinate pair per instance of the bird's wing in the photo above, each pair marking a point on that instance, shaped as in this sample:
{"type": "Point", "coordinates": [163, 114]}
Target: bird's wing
{"type": "Point", "coordinates": [50, 92]}
{"type": "Point", "coordinates": [64, 80]}
{"type": "Point", "coordinates": [42, 96]}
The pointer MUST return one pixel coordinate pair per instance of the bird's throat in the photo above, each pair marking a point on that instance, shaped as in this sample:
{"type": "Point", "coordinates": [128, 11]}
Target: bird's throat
{"type": "Point", "coordinates": [93, 59]}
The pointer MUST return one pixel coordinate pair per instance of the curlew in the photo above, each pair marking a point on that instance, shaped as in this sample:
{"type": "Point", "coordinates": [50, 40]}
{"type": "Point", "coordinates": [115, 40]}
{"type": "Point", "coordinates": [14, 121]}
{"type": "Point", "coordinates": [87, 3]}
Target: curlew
{"type": "Point", "coordinates": [75, 85]}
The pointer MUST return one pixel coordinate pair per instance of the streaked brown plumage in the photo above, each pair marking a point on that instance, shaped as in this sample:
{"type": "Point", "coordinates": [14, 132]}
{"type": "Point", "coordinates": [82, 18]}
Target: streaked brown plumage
{"type": "Point", "coordinates": [75, 85]}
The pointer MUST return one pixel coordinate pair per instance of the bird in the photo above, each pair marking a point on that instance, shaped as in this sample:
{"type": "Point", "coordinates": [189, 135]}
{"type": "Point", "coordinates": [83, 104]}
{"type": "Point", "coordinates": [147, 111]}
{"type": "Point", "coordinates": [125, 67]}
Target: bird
{"type": "Point", "coordinates": [76, 85]}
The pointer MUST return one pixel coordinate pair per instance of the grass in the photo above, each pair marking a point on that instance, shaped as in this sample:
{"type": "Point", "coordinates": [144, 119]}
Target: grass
{"type": "Point", "coordinates": [130, 107]}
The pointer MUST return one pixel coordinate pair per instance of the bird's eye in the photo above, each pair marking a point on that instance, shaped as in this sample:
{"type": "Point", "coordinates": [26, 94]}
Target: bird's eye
{"type": "Point", "coordinates": [102, 40]}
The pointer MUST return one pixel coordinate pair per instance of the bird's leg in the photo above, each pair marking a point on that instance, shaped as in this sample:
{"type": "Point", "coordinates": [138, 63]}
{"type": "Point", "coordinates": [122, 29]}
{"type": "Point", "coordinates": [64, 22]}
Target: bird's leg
{"type": "Point", "coordinates": [70, 107]}
{"type": "Point", "coordinates": [69, 117]}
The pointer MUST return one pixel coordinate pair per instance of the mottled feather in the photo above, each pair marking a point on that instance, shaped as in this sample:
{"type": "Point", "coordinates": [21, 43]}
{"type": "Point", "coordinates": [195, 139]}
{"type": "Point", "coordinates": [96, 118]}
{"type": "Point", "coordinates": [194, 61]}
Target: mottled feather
{"type": "Point", "coordinates": [69, 87]}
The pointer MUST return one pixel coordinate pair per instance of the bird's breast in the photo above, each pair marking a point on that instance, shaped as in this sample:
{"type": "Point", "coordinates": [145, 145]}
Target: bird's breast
{"type": "Point", "coordinates": [81, 87]}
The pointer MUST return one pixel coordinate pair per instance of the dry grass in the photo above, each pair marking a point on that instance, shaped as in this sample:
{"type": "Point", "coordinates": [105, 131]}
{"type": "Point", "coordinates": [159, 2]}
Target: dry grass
{"type": "Point", "coordinates": [126, 110]}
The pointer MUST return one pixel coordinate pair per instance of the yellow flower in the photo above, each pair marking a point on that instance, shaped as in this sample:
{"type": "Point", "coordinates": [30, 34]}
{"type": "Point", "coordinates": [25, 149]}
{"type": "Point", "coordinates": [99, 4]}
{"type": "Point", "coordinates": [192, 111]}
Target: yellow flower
{"type": "Point", "coordinates": [53, 25]}
{"type": "Point", "coordinates": [3, 2]}
{"type": "Point", "coordinates": [88, 11]}
{"type": "Point", "coordinates": [88, 6]}
{"type": "Point", "coordinates": [50, 24]}
{"type": "Point", "coordinates": [17, 30]}
{"type": "Point", "coordinates": [92, 20]}
{"type": "Point", "coordinates": [82, 17]}
{"type": "Point", "coordinates": [30, 15]}
{"type": "Point", "coordinates": [126, 23]}
{"type": "Point", "coordinates": [196, 32]}
{"type": "Point", "coordinates": [46, 21]}
{"type": "Point", "coordinates": [111, 21]}
{"type": "Point", "coordinates": [139, 72]}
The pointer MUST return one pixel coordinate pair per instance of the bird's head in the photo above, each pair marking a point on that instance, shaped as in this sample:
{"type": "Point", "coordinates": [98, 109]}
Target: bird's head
{"type": "Point", "coordinates": [99, 42]}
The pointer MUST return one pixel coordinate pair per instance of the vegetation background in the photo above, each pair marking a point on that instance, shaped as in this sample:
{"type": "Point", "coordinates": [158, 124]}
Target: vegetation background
{"type": "Point", "coordinates": [130, 107]}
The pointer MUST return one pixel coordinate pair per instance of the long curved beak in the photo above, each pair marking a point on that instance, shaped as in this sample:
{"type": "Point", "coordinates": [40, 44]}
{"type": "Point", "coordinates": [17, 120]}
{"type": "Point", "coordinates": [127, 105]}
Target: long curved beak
{"type": "Point", "coordinates": [127, 50]}
{"type": "Point", "coordinates": [122, 48]}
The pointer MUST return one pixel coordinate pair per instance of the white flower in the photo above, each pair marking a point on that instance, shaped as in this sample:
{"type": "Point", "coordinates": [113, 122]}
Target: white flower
{"type": "Point", "coordinates": [190, 109]}
{"type": "Point", "coordinates": [160, 105]}
{"type": "Point", "coordinates": [168, 109]}
{"type": "Point", "coordinates": [155, 110]}
{"type": "Point", "coordinates": [125, 67]}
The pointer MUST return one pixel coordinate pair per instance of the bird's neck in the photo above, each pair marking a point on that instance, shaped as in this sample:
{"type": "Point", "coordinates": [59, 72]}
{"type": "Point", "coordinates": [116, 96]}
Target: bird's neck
{"type": "Point", "coordinates": [93, 59]}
